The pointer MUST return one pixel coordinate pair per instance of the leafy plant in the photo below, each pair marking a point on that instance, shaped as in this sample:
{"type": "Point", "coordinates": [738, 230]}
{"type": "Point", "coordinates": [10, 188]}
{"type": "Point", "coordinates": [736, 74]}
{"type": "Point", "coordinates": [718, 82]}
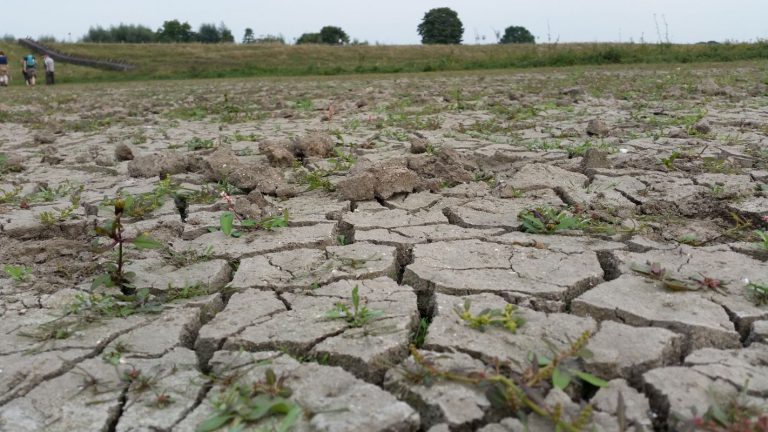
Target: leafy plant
{"type": "Point", "coordinates": [226, 225]}
{"type": "Point", "coordinates": [61, 214]}
{"type": "Point", "coordinates": [679, 283]}
{"type": "Point", "coordinates": [356, 316]}
{"type": "Point", "coordinates": [197, 143]}
{"type": "Point", "coordinates": [419, 336]}
{"type": "Point", "coordinates": [669, 161]}
{"type": "Point", "coordinates": [689, 239]}
{"type": "Point", "coordinates": [729, 414]}
{"type": "Point", "coordinates": [18, 273]}
{"type": "Point", "coordinates": [524, 392]}
{"type": "Point", "coordinates": [490, 317]}
{"type": "Point", "coordinates": [268, 223]}
{"type": "Point", "coordinates": [762, 239]}
{"type": "Point", "coordinates": [113, 230]}
{"type": "Point", "coordinates": [758, 293]}
{"type": "Point", "coordinates": [242, 405]}
{"type": "Point", "coordinates": [547, 220]}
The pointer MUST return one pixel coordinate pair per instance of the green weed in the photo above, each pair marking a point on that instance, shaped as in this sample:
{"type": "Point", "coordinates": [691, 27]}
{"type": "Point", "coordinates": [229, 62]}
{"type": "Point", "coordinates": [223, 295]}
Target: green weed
{"type": "Point", "coordinates": [112, 230]}
{"type": "Point", "coordinates": [547, 220]}
{"type": "Point", "coordinates": [197, 143]}
{"type": "Point", "coordinates": [506, 318]}
{"type": "Point", "coordinates": [18, 273]}
{"type": "Point", "coordinates": [356, 316]}
{"type": "Point", "coordinates": [241, 405]}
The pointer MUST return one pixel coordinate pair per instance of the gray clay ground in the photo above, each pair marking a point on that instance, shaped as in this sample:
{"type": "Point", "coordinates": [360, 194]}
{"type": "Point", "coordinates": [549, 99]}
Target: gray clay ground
{"type": "Point", "coordinates": [408, 188]}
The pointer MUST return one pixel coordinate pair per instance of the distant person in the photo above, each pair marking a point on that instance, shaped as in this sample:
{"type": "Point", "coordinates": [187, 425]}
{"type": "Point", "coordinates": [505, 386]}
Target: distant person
{"type": "Point", "coordinates": [29, 69]}
{"type": "Point", "coordinates": [49, 68]}
{"type": "Point", "coordinates": [3, 70]}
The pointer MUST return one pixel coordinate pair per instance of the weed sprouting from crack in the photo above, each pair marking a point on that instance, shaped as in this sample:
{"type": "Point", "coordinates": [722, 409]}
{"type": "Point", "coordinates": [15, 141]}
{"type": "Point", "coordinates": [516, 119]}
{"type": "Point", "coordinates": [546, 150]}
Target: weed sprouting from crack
{"type": "Point", "coordinates": [523, 393]}
{"type": "Point", "coordinates": [547, 220]}
{"type": "Point", "coordinates": [116, 275]}
{"type": "Point", "coordinates": [356, 316]}
{"type": "Point", "coordinates": [672, 282]}
{"type": "Point", "coordinates": [506, 318]}
{"type": "Point", "coordinates": [240, 405]}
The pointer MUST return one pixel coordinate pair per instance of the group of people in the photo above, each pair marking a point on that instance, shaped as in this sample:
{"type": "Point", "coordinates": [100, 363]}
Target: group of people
{"type": "Point", "coordinates": [28, 69]}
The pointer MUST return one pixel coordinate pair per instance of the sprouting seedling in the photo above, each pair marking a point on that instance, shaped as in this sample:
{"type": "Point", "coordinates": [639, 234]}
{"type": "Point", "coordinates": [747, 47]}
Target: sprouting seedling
{"type": "Point", "coordinates": [762, 238]}
{"type": "Point", "coordinates": [357, 316]}
{"type": "Point", "coordinates": [113, 230]}
{"type": "Point", "coordinates": [18, 273]}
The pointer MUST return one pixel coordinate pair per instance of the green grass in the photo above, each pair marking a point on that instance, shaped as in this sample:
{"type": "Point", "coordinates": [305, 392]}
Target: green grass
{"type": "Point", "coordinates": [182, 61]}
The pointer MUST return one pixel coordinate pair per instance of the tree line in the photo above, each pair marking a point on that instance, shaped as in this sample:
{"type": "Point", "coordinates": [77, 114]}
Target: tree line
{"type": "Point", "coordinates": [439, 26]}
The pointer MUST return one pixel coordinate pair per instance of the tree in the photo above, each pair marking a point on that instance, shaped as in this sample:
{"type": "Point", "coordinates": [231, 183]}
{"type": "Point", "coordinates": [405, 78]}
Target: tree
{"type": "Point", "coordinates": [309, 38]}
{"type": "Point", "coordinates": [517, 35]}
{"type": "Point", "coordinates": [208, 33]}
{"type": "Point", "coordinates": [333, 35]}
{"type": "Point", "coordinates": [174, 31]}
{"type": "Point", "coordinates": [248, 36]}
{"type": "Point", "coordinates": [225, 34]}
{"type": "Point", "coordinates": [441, 26]}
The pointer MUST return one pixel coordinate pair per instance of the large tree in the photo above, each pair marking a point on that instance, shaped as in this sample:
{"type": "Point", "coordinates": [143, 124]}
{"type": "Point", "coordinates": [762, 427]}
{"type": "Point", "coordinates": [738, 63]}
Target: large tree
{"type": "Point", "coordinates": [175, 31]}
{"type": "Point", "coordinates": [441, 26]}
{"type": "Point", "coordinates": [333, 35]}
{"type": "Point", "coordinates": [517, 35]}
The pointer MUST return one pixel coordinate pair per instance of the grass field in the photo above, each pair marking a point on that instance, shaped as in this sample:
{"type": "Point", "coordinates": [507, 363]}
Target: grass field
{"type": "Point", "coordinates": [180, 61]}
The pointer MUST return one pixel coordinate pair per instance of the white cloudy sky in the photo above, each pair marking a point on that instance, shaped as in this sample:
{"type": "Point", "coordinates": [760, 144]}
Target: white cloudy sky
{"type": "Point", "coordinates": [395, 21]}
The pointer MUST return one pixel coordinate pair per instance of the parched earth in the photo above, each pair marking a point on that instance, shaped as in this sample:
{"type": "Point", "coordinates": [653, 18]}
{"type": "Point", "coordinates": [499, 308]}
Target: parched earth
{"type": "Point", "coordinates": [407, 195]}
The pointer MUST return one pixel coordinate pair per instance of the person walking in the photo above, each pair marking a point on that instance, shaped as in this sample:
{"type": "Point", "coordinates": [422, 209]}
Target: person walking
{"type": "Point", "coordinates": [29, 69]}
{"type": "Point", "coordinates": [49, 69]}
{"type": "Point", "coordinates": [4, 79]}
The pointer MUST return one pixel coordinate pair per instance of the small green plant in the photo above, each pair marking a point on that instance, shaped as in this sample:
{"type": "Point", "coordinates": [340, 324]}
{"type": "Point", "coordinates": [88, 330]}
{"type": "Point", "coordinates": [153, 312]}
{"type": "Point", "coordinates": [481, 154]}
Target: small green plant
{"type": "Point", "coordinates": [18, 273]}
{"type": "Point", "coordinates": [317, 179]}
{"type": "Point", "coordinates": [758, 293]}
{"type": "Point", "coordinates": [116, 274]}
{"type": "Point", "coordinates": [268, 223]}
{"type": "Point", "coordinates": [226, 225]}
{"type": "Point", "coordinates": [729, 414]}
{"type": "Point", "coordinates": [674, 282]}
{"type": "Point", "coordinates": [419, 336]}
{"type": "Point", "coordinates": [11, 195]}
{"type": "Point", "coordinates": [547, 220]}
{"type": "Point", "coordinates": [669, 161]}
{"type": "Point", "coordinates": [356, 316]}
{"type": "Point", "coordinates": [506, 318]}
{"type": "Point", "coordinates": [61, 214]}
{"type": "Point", "coordinates": [241, 405]}
{"type": "Point", "coordinates": [762, 237]}
{"type": "Point", "coordinates": [689, 239]}
{"type": "Point", "coordinates": [520, 395]}
{"type": "Point", "coordinates": [197, 143]}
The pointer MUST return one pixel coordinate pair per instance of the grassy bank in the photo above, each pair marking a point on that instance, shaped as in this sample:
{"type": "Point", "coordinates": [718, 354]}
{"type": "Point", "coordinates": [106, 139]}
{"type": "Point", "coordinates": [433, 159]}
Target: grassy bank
{"type": "Point", "coordinates": [178, 61]}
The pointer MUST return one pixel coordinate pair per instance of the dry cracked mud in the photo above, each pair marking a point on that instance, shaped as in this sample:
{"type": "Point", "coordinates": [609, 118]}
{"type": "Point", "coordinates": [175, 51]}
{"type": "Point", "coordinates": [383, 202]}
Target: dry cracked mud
{"type": "Point", "coordinates": [402, 251]}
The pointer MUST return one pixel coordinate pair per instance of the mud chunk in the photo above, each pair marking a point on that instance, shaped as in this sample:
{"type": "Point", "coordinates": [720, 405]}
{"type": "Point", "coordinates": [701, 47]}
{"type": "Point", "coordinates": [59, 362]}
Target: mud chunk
{"type": "Point", "coordinates": [123, 153]}
{"type": "Point", "coordinates": [597, 127]}
{"type": "Point", "coordinates": [157, 164]}
{"type": "Point", "coordinates": [44, 138]}
{"type": "Point", "coordinates": [418, 145]}
{"type": "Point", "coordinates": [313, 145]}
{"type": "Point", "coordinates": [381, 180]}
{"type": "Point", "coordinates": [702, 127]}
{"type": "Point", "coordinates": [594, 159]}
{"type": "Point", "coordinates": [224, 165]}
{"type": "Point", "coordinates": [277, 153]}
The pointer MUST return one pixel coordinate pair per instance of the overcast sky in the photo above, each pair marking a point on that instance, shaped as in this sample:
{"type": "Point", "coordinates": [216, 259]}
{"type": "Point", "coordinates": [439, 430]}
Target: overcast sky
{"type": "Point", "coordinates": [395, 21]}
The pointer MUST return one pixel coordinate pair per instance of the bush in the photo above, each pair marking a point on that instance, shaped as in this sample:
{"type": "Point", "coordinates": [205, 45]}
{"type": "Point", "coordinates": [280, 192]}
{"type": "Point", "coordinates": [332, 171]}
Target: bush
{"type": "Point", "coordinates": [441, 26]}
